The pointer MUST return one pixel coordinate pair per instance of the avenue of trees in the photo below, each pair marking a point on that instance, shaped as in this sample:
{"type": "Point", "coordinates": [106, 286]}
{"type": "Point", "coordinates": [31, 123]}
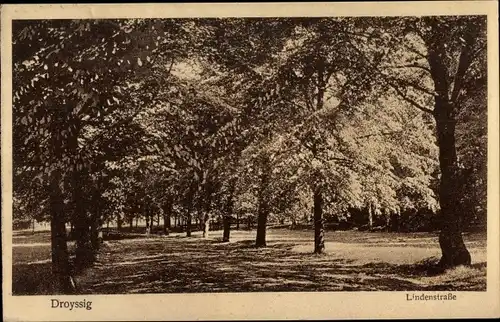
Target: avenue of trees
{"type": "Point", "coordinates": [202, 122]}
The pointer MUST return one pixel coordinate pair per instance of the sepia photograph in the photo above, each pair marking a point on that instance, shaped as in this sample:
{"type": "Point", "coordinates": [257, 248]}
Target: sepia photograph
{"type": "Point", "coordinates": [243, 154]}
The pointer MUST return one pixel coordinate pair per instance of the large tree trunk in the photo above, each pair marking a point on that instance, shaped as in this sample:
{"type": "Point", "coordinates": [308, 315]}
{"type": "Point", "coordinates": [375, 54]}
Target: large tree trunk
{"type": "Point", "coordinates": [453, 248]}
{"type": "Point", "coordinates": [261, 228]}
{"type": "Point", "coordinates": [83, 252]}
{"type": "Point", "coordinates": [319, 231]}
{"type": "Point", "coordinates": [60, 257]}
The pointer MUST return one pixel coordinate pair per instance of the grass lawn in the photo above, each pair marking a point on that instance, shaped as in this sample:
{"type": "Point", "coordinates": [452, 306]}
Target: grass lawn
{"type": "Point", "coordinates": [354, 261]}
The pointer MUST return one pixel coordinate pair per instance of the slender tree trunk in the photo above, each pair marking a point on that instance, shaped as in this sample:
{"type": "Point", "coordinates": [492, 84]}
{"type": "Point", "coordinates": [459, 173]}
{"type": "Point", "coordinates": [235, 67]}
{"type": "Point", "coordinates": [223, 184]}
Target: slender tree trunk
{"type": "Point", "coordinates": [131, 223]}
{"type": "Point", "coordinates": [188, 224]}
{"type": "Point", "coordinates": [167, 212]}
{"type": "Point", "coordinates": [370, 217]}
{"type": "Point", "coordinates": [136, 221]}
{"type": "Point", "coordinates": [206, 225]}
{"type": "Point", "coordinates": [263, 210]}
{"type": "Point", "coordinates": [226, 219]}
{"type": "Point", "coordinates": [97, 221]}
{"type": "Point", "coordinates": [166, 226]}
{"type": "Point", "coordinates": [148, 224]}
{"type": "Point", "coordinates": [319, 231]}
{"type": "Point", "coordinates": [208, 208]}
{"type": "Point", "coordinates": [454, 251]}
{"type": "Point", "coordinates": [396, 220]}
{"type": "Point", "coordinates": [226, 223]}
{"type": "Point", "coordinates": [96, 233]}
{"type": "Point", "coordinates": [189, 201]}
{"type": "Point", "coordinates": [237, 221]}
{"type": "Point", "coordinates": [119, 222]}
{"type": "Point", "coordinates": [151, 221]}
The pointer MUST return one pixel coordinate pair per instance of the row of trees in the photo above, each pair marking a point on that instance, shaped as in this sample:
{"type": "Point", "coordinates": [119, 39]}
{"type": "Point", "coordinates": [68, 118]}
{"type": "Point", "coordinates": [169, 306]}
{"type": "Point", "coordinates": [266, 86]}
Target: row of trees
{"type": "Point", "coordinates": [272, 117]}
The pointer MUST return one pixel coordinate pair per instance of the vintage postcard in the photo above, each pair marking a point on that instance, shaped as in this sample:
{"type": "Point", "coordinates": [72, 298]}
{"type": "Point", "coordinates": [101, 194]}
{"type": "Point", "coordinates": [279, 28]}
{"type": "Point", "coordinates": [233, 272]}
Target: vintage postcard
{"type": "Point", "coordinates": [250, 161]}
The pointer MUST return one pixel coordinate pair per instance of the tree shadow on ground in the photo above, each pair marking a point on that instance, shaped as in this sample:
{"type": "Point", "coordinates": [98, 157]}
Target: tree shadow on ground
{"type": "Point", "coordinates": [191, 265]}
{"type": "Point", "coordinates": [31, 279]}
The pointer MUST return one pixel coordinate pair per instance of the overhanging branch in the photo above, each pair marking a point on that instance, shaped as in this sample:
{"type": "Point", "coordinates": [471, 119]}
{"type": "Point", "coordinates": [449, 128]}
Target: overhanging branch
{"type": "Point", "coordinates": [410, 100]}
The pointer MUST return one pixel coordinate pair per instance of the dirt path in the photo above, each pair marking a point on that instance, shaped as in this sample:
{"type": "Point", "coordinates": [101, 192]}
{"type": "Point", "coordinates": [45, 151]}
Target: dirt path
{"type": "Point", "coordinates": [354, 262]}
